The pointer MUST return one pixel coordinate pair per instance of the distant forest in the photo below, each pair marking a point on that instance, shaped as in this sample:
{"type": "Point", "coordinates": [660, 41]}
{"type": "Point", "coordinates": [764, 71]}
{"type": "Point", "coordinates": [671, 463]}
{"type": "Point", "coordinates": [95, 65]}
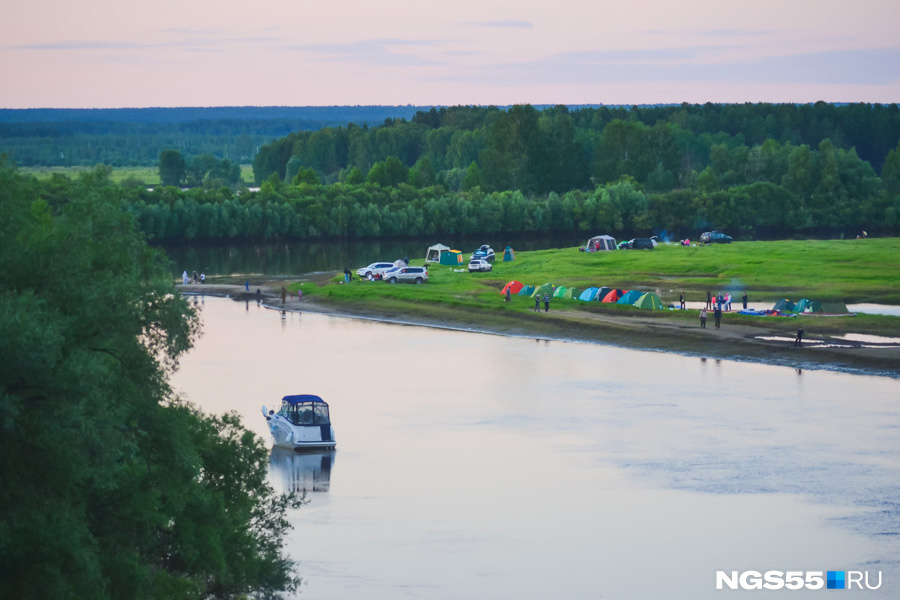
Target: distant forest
{"type": "Point", "coordinates": [122, 137]}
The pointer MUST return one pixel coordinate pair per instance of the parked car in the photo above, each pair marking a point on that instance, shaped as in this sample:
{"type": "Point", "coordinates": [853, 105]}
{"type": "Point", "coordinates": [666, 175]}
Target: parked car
{"type": "Point", "coordinates": [638, 244]}
{"type": "Point", "coordinates": [479, 265]}
{"type": "Point", "coordinates": [483, 253]}
{"type": "Point", "coordinates": [406, 275]}
{"type": "Point", "coordinates": [714, 237]}
{"type": "Point", "coordinates": [378, 268]}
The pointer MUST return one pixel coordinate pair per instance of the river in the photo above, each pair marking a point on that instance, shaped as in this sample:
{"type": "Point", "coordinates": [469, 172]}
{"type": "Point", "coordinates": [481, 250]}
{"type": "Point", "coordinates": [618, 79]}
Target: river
{"type": "Point", "coordinates": [473, 465]}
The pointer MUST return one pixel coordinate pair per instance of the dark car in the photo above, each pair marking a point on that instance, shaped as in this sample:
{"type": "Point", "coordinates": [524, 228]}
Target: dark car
{"type": "Point", "coordinates": [641, 244]}
{"type": "Point", "coordinates": [714, 237]}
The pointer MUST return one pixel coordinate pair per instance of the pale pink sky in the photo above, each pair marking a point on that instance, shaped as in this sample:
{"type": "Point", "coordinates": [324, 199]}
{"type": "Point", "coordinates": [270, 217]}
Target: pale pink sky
{"type": "Point", "coordinates": [121, 53]}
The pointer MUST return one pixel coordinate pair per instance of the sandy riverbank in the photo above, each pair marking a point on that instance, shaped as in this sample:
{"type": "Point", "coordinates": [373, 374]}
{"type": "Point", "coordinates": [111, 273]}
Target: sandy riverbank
{"type": "Point", "coordinates": [733, 341]}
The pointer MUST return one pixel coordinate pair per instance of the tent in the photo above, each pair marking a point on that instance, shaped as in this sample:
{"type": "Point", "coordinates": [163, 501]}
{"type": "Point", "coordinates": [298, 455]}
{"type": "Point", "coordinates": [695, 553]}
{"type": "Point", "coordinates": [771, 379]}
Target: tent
{"type": "Point", "coordinates": [513, 287]}
{"type": "Point", "coordinates": [600, 242]}
{"type": "Point", "coordinates": [613, 296]}
{"type": "Point", "coordinates": [630, 297]}
{"type": "Point", "coordinates": [434, 253]}
{"type": "Point", "coordinates": [560, 292]}
{"type": "Point", "coordinates": [784, 306]}
{"type": "Point", "coordinates": [540, 290]}
{"type": "Point", "coordinates": [601, 293]}
{"type": "Point", "coordinates": [589, 294]}
{"type": "Point", "coordinates": [508, 254]}
{"type": "Point", "coordinates": [570, 294]}
{"type": "Point", "coordinates": [451, 257]}
{"type": "Point", "coordinates": [649, 300]}
{"type": "Point", "coordinates": [834, 308]}
{"type": "Point", "coordinates": [801, 306]}
{"type": "Point", "coordinates": [527, 290]}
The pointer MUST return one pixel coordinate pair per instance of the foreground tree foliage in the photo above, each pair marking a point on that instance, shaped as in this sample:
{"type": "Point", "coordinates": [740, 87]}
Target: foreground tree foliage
{"type": "Point", "coordinates": [112, 487]}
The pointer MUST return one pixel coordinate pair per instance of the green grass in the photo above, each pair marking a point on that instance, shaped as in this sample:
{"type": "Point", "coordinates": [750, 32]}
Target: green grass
{"type": "Point", "coordinates": [833, 270]}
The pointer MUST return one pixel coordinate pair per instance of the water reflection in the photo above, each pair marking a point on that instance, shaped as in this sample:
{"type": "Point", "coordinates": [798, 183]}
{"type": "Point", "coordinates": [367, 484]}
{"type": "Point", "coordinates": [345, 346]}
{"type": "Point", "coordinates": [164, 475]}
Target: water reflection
{"type": "Point", "coordinates": [302, 471]}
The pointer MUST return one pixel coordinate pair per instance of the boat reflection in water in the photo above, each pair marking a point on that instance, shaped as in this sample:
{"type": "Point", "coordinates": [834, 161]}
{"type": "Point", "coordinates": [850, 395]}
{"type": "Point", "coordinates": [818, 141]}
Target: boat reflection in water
{"type": "Point", "coordinates": [302, 471]}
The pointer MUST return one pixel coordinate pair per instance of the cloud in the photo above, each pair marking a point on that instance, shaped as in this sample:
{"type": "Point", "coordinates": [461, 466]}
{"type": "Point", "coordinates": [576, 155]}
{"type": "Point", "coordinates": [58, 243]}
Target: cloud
{"type": "Point", "coordinates": [511, 23]}
{"type": "Point", "coordinates": [878, 66]}
{"type": "Point", "coordinates": [198, 44]}
{"type": "Point", "coordinates": [376, 52]}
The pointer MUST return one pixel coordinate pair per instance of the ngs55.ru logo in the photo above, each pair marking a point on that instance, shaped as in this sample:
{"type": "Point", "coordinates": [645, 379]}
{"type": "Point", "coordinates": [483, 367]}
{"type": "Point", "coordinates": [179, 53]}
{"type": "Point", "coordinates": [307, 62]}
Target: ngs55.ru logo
{"type": "Point", "coordinates": [796, 580]}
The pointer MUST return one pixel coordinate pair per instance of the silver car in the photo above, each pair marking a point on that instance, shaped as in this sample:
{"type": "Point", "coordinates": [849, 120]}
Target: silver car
{"type": "Point", "coordinates": [374, 269]}
{"type": "Point", "coordinates": [479, 265]}
{"type": "Point", "coordinates": [407, 275]}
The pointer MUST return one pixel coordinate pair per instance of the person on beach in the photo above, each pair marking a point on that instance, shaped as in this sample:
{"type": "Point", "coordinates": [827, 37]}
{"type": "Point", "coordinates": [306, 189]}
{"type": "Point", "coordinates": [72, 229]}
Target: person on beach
{"type": "Point", "coordinates": [717, 313]}
{"type": "Point", "coordinates": [682, 300]}
{"type": "Point", "coordinates": [537, 303]}
{"type": "Point", "coordinates": [283, 294]}
{"type": "Point", "coordinates": [798, 341]}
{"type": "Point", "coordinates": [202, 277]}
{"type": "Point", "coordinates": [546, 302]}
{"type": "Point", "coordinates": [196, 277]}
{"type": "Point", "coordinates": [744, 298]}
{"type": "Point", "coordinates": [708, 300]}
{"type": "Point", "coordinates": [703, 316]}
{"type": "Point", "coordinates": [184, 278]}
{"type": "Point", "coordinates": [299, 294]}
{"type": "Point", "coordinates": [247, 285]}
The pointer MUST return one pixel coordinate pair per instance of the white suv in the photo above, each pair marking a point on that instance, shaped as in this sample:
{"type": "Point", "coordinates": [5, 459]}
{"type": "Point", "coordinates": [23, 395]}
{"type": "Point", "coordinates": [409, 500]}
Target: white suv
{"type": "Point", "coordinates": [479, 265]}
{"type": "Point", "coordinates": [374, 269]}
{"type": "Point", "coordinates": [407, 275]}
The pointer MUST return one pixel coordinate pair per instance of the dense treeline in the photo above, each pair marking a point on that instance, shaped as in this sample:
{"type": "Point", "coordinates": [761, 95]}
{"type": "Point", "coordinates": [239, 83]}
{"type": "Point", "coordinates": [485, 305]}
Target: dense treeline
{"type": "Point", "coordinates": [136, 136]}
{"type": "Point", "coordinates": [557, 150]}
{"type": "Point", "coordinates": [113, 487]}
{"type": "Point", "coordinates": [794, 191]}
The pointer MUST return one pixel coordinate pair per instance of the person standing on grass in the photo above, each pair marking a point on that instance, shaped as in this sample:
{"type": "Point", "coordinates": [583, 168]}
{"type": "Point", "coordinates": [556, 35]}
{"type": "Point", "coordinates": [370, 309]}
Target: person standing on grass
{"type": "Point", "coordinates": [708, 300]}
{"type": "Point", "coordinates": [537, 303]}
{"type": "Point", "coordinates": [744, 298]}
{"type": "Point", "coordinates": [546, 302]}
{"type": "Point", "coordinates": [798, 341]}
{"type": "Point", "coordinates": [507, 293]}
{"type": "Point", "coordinates": [717, 313]}
{"type": "Point", "coordinates": [703, 317]}
{"type": "Point", "coordinates": [682, 300]}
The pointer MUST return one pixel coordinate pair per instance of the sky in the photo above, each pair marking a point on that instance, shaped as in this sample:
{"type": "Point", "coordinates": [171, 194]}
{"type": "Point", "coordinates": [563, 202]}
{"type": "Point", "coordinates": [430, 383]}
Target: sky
{"type": "Point", "coordinates": [124, 53]}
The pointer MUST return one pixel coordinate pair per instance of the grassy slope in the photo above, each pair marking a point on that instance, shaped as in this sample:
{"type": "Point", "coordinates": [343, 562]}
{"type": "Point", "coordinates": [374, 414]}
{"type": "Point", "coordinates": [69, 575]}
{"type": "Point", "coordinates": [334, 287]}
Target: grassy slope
{"type": "Point", "coordinates": [148, 175]}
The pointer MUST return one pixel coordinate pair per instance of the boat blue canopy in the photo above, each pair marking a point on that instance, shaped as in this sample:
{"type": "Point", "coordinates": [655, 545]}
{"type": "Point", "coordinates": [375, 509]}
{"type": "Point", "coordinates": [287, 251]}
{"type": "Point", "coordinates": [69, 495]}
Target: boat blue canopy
{"type": "Point", "coordinates": [303, 398]}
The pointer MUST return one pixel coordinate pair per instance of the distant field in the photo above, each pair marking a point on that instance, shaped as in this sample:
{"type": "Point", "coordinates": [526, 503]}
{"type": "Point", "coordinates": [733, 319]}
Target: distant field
{"type": "Point", "coordinates": [146, 175]}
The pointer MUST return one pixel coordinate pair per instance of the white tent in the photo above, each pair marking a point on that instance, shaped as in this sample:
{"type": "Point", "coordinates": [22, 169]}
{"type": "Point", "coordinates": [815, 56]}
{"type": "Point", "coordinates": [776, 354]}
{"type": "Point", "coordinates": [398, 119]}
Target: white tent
{"type": "Point", "coordinates": [434, 253]}
{"type": "Point", "coordinates": [601, 242]}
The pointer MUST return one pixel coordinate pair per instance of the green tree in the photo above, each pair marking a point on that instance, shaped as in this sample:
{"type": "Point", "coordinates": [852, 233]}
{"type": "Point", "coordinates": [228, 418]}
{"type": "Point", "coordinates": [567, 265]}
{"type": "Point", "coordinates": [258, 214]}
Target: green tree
{"type": "Point", "coordinates": [172, 167]}
{"type": "Point", "coordinates": [113, 487]}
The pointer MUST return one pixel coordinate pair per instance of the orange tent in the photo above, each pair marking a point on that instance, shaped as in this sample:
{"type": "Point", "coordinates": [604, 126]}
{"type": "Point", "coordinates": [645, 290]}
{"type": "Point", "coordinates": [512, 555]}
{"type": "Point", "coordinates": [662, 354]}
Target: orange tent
{"type": "Point", "coordinates": [512, 286]}
{"type": "Point", "coordinates": [614, 295]}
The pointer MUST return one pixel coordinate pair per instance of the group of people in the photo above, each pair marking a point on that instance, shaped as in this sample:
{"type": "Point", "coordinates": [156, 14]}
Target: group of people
{"type": "Point", "coordinates": [537, 302]}
{"type": "Point", "coordinates": [717, 305]}
{"type": "Point", "coordinates": [186, 279]}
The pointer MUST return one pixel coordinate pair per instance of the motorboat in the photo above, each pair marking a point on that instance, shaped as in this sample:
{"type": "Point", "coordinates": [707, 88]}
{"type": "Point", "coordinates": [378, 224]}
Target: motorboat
{"type": "Point", "coordinates": [301, 422]}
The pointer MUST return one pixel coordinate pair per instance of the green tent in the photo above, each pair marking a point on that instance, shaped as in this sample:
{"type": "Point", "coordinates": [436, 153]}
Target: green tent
{"type": "Point", "coordinates": [834, 308]}
{"type": "Point", "coordinates": [801, 306]}
{"type": "Point", "coordinates": [784, 306]}
{"type": "Point", "coordinates": [571, 294]}
{"type": "Point", "coordinates": [540, 290]}
{"type": "Point", "coordinates": [560, 292]}
{"type": "Point", "coordinates": [649, 300]}
{"type": "Point", "coordinates": [451, 257]}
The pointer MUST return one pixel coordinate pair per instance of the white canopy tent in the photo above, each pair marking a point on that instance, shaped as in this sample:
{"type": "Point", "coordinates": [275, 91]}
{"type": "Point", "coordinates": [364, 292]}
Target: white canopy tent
{"type": "Point", "coordinates": [434, 253]}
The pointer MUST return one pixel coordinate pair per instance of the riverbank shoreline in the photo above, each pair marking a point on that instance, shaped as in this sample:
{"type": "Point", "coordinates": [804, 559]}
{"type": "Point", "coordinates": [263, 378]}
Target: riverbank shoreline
{"type": "Point", "coordinates": [733, 341]}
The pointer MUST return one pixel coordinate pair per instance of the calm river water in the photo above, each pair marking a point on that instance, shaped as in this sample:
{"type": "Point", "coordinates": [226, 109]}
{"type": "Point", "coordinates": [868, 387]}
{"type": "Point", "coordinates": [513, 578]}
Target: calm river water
{"type": "Point", "coordinates": [480, 466]}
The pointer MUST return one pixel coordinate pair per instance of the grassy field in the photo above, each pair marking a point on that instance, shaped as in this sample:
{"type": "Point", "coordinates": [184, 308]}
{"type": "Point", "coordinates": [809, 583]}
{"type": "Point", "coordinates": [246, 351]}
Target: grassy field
{"type": "Point", "coordinates": [849, 271]}
{"type": "Point", "coordinates": [837, 270]}
{"type": "Point", "coordinates": [147, 175]}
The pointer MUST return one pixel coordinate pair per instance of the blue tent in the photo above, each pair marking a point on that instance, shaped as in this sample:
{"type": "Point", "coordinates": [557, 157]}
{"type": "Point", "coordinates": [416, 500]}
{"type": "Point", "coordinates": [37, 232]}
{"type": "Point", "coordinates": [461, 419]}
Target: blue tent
{"type": "Point", "coordinates": [589, 294]}
{"type": "Point", "coordinates": [631, 297]}
{"type": "Point", "coordinates": [508, 254]}
{"type": "Point", "coordinates": [526, 290]}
